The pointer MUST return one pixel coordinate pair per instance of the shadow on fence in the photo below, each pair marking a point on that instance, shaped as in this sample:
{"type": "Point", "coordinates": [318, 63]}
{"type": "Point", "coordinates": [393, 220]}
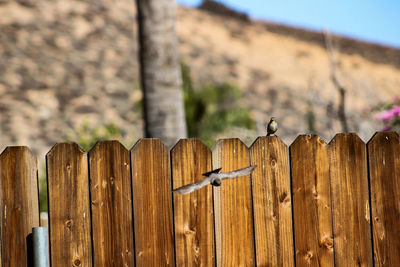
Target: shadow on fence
{"type": "Point", "coordinates": [313, 203]}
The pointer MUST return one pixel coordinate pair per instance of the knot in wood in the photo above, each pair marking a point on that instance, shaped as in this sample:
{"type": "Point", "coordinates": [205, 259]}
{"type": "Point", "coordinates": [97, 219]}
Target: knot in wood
{"type": "Point", "coordinates": [283, 197]}
{"type": "Point", "coordinates": [273, 163]}
{"type": "Point", "coordinates": [189, 232]}
{"type": "Point", "coordinates": [308, 256]}
{"type": "Point", "coordinates": [77, 262]}
{"type": "Point", "coordinates": [68, 223]}
{"type": "Point", "coordinates": [327, 242]}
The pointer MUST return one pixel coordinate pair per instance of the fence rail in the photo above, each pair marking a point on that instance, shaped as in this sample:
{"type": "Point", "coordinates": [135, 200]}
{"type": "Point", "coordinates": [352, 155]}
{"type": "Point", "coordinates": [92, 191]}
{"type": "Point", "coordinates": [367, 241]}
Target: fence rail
{"type": "Point", "coordinates": [310, 204]}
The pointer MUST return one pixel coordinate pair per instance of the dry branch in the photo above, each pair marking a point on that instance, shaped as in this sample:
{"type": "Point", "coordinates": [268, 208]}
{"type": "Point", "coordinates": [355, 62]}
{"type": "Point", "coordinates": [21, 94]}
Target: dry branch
{"type": "Point", "coordinates": [339, 86]}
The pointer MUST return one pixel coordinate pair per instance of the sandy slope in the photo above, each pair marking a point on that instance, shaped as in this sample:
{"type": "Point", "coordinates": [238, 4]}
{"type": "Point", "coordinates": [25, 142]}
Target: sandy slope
{"type": "Point", "coordinates": [280, 74]}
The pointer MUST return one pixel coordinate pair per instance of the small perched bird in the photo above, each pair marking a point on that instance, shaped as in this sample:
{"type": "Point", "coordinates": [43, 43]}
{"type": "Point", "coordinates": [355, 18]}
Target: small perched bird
{"type": "Point", "coordinates": [272, 127]}
{"type": "Point", "coordinates": [215, 178]}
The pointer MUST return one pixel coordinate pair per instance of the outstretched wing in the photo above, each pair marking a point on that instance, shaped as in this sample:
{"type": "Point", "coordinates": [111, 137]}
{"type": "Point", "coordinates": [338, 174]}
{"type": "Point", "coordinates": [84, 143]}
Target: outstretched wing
{"type": "Point", "coordinates": [186, 189]}
{"type": "Point", "coordinates": [237, 173]}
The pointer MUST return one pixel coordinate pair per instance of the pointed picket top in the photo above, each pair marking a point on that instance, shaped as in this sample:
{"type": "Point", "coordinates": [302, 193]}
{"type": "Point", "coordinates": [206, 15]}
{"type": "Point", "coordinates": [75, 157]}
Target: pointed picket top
{"type": "Point", "coordinates": [185, 141]}
{"type": "Point", "coordinates": [235, 139]}
{"type": "Point", "coordinates": [384, 137]}
{"type": "Point", "coordinates": [268, 140]}
{"type": "Point", "coordinates": [308, 138]}
{"type": "Point", "coordinates": [109, 143]}
{"type": "Point", "coordinates": [147, 141]}
{"type": "Point", "coordinates": [345, 137]}
{"type": "Point", "coordinates": [63, 146]}
{"type": "Point", "coordinates": [19, 149]}
{"type": "Point", "coordinates": [22, 152]}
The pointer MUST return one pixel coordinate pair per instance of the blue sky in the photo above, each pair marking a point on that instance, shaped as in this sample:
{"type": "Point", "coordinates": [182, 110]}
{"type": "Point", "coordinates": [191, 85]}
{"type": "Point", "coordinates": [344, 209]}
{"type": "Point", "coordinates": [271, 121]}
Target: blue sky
{"type": "Point", "coordinates": [375, 21]}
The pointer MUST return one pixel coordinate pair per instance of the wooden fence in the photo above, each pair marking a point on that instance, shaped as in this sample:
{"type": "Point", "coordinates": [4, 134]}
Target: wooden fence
{"type": "Point", "coordinates": [312, 204]}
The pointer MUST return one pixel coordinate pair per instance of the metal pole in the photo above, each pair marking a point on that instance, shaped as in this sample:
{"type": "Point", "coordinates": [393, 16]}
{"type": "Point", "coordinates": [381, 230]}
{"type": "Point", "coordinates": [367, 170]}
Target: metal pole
{"type": "Point", "coordinates": [40, 247]}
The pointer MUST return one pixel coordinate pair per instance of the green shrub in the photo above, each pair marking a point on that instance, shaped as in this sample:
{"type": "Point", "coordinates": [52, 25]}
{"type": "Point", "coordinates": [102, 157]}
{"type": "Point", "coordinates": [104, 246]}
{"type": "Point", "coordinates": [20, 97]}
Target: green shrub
{"type": "Point", "coordinates": [212, 109]}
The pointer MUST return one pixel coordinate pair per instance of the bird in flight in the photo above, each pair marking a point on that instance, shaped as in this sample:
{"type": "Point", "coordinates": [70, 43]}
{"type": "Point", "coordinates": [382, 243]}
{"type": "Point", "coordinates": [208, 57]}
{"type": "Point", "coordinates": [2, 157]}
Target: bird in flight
{"type": "Point", "coordinates": [272, 127]}
{"type": "Point", "coordinates": [215, 178]}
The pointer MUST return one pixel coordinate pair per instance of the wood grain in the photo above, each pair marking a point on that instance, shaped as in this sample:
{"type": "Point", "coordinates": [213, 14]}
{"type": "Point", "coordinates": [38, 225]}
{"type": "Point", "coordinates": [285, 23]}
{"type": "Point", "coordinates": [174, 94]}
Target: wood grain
{"type": "Point", "coordinates": [152, 203]}
{"type": "Point", "coordinates": [69, 207]}
{"type": "Point", "coordinates": [384, 170]}
{"type": "Point", "coordinates": [272, 202]}
{"type": "Point", "coordinates": [233, 211]}
{"type": "Point", "coordinates": [311, 201]}
{"type": "Point", "coordinates": [193, 213]}
{"type": "Point", "coordinates": [110, 187]}
{"type": "Point", "coordinates": [350, 198]}
{"type": "Point", "coordinates": [19, 203]}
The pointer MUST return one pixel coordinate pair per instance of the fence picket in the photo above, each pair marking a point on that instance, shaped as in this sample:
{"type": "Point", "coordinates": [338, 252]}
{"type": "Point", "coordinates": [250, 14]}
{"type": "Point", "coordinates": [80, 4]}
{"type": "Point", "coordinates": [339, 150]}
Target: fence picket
{"type": "Point", "coordinates": [384, 164]}
{"type": "Point", "coordinates": [193, 213]}
{"type": "Point", "coordinates": [69, 207]}
{"type": "Point", "coordinates": [272, 202]}
{"type": "Point", "coordinates": [19, 207]}
{"type": "Point", "coordinates": [233, 210]}
{"type": "Point", "coordinates": [311, 201]}
{"type": "Point", "coordinates": [152, 203]}
{"type": "Point", "coordinates": [350, 198]}
{"type": "Point", "coordinates": [111, 204]}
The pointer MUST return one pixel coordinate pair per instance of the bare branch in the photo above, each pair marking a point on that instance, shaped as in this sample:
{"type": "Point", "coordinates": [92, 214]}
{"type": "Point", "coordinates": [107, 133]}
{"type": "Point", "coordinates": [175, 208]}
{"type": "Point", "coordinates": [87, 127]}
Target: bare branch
{"type": "Point", "coordinates": [336, 81]}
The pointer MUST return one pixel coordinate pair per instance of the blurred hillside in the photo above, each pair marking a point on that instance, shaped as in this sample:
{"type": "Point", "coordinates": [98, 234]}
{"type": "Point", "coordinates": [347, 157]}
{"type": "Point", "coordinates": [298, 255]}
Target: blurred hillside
{"type": "Point", "coordinates": [64, 63]}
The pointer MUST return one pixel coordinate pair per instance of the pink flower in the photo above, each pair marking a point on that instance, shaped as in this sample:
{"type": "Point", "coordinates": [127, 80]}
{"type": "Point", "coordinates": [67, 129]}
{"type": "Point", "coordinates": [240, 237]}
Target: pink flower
{"type": "Point", "coordinates": [395, 99]}
{"type": "Point", "coordinates": [385, 115]}
{"type": "Point", "coordinates": [388, 114]}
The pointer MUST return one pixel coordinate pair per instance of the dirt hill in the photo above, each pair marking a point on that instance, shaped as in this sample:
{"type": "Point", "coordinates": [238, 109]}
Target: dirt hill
{"type": "Point", "coordinates": [67, 62]}
{"type": "Point", "coordinates": [285, 71]}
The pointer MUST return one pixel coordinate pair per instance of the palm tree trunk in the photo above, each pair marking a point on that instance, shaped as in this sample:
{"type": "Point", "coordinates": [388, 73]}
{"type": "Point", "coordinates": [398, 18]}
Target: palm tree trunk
{"type": "Point", "coordinates": [160, 71]}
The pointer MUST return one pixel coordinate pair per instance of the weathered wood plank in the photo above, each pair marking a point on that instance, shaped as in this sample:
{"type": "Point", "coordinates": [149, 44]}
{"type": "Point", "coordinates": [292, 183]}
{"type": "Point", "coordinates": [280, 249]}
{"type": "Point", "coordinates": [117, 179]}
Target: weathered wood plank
{"type": "Point", "coordinates": [110, 187]}
{"type": "Point", "coordinates": [233, 211]}
{"type": "Point", "coordinates": [152, 203]}
{"type": "Point", "coordinates": [350, 197]}
{"type": "Point", "coordinates": [69, 207]}
{"type": "Point", "coordinates": [311, 201]}
{"type": "Point", "coordinates": [193, 213]}
{"type": "Point", "coordinates": [272, 202]}
{"type": "Point", "coordinates": [19, 203]}
{"type": "Point", "coordinates": [384, 170]}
